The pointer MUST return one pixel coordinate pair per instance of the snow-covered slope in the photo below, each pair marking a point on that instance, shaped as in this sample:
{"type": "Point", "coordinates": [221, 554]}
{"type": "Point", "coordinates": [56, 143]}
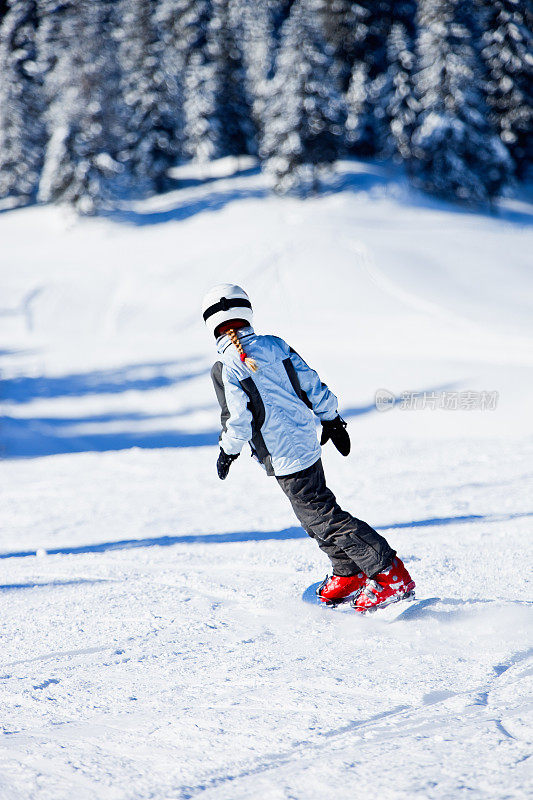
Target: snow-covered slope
{"type": "Point", "coordinates": [153, 639]}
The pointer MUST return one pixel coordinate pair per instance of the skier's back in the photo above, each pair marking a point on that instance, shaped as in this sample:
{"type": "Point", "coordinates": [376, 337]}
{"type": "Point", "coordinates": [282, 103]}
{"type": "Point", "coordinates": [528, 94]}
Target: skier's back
{"type": "Point", "coordinates": [282, 396]}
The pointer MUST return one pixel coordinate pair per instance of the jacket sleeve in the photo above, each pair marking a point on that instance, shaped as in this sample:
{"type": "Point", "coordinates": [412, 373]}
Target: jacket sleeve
{"type": "Point", "coordinates": [235, 416]}
{"type": "Point", "coordinates": [216, 377]}
{"type": "Point", "coordinates": [321, 399]}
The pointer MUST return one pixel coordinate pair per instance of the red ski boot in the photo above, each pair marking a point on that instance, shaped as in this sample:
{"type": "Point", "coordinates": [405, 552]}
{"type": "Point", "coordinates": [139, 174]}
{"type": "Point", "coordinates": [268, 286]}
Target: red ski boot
{"type": "Point", "coordinates": [337, 589]}
{"type": "Point", "coordinates": [389, 586]}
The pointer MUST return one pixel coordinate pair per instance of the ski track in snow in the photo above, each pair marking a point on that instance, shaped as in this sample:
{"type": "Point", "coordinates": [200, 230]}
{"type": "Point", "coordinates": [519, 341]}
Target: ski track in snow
{"type": "Point", "coordinates": [176, 671]}
{"type": "Point", "coordinates": [153, 641]}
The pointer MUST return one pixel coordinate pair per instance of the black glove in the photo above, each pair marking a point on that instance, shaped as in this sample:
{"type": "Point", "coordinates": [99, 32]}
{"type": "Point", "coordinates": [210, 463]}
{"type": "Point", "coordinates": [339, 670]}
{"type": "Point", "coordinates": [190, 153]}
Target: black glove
{"type": "Point", "coordinates": [224, 463]}
{"type": "Point", "coordinates": [335, 429]}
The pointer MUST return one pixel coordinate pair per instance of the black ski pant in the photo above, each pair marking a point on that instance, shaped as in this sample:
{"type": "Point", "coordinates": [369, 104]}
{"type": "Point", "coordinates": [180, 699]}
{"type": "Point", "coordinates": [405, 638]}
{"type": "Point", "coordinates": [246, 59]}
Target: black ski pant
{"type": "Point", "coordinates": [351, 544]}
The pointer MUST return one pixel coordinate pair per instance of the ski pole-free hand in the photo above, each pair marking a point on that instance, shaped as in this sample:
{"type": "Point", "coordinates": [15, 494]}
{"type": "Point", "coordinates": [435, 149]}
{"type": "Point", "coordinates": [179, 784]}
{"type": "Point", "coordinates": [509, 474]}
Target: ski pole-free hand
{"type": "Point", "coordinates": [224, 463]}
{"type": "Point", "coordinates": [335, 429]}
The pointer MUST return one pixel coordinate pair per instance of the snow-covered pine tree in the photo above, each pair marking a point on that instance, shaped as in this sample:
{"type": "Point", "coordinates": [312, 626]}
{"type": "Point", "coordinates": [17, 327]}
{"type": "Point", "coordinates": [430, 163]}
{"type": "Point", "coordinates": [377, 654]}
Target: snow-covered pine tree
{"type": "Point", "coordinates": [254, 27]}
{"type": "Point", "coordinates": [82, 88]}
{"type": "Point", "coordinates": [392, 97]}
{"type": "Point", "coordinates": [455, 152]}
{"type": "Point", "coordinates": [237, 134]}
{"type": "Point", "coordinates": [344, 26]}
{"type": "Point", "coordinates": [151, 102]}
{"type": "Point", "coordinates": [305, 113]}
{"type": "Point", "coordinates": [182, 26]}
{"type": "Point", "coordinates": [279, 11]}
{"type": "Point", "coordinates": [360, 133]}
{"type": "Point", "coordinates": [186, 21]}
{"type": "Point", "coordinates": [55, 21]}
{"type": "Point", "coordinates": [376, 17]}
{"type": "Point", "coordinates": [507, 51]}
{"type": "Point", "coordinates": [377, 70]}
{"type": "Point", "coordinates": [201, 132]}
{"type": "Point", "coordinates": [22, 133]}
{"type": "Point", "coordinates": [218, 108]}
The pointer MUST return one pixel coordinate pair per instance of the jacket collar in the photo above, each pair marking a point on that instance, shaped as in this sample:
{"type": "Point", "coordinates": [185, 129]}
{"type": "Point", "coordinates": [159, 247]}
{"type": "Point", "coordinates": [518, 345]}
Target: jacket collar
{"type": "Point", "coordinates": [224, 341]}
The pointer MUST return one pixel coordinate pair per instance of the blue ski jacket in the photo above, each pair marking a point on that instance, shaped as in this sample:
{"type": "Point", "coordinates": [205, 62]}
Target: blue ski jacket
{"type": "Point", "coordinates": [274, 408]}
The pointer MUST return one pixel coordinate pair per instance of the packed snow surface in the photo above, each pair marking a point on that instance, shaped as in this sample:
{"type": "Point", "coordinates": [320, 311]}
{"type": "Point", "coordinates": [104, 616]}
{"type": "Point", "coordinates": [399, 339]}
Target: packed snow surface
{"type": "Point", "coordinates": [153, 639]}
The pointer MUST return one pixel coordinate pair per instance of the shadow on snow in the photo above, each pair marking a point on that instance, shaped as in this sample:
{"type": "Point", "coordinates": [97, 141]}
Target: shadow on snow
{"type": "Point", "coordinates": [167, 541]}
{"type": "Point", "coordinates": [249, 536]}
{"type": "Point", "coordinates": [27, 437]}
{"type": "Point", "coordinates": [214, 201]}
{"type": "Point", "coordinates": [360, 175]}
{"type": "Point", "coordinates": [22, 439]}
{"type": "Point", "coordinates": [9, 587]}
{"type": "Point", "coordinates": [133, 377]}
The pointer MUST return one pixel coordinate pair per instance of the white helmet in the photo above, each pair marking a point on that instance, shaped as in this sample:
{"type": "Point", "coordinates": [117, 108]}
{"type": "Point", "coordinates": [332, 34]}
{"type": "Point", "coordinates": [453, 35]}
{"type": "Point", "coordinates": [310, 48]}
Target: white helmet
{"type": "Point", "coordinates": [223, 302]}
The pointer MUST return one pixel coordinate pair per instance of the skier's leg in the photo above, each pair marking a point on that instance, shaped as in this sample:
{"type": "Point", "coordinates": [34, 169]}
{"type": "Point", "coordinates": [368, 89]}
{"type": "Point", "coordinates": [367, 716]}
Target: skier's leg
{"type": "Point", "coordinates": [299, 490]}
{"type": "Point", "coordinates": [340, 562]}
{"type": "Point", "coordinates": [351, 541]}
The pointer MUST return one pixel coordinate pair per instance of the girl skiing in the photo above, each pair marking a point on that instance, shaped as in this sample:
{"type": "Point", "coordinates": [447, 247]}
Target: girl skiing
{"type": "Point", "coordinates": [268, 397]}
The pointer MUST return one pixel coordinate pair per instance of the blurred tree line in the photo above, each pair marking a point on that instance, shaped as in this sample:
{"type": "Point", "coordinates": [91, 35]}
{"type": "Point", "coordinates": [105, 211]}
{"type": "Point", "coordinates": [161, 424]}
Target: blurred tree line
{"type": "Point", "coordinates": [99, 98]}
